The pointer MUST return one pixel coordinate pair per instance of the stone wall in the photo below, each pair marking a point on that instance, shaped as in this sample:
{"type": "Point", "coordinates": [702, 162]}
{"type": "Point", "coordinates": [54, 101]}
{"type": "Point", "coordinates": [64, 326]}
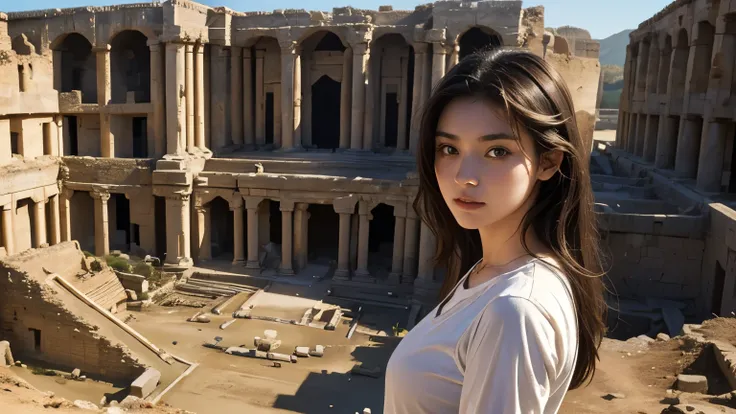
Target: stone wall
{"type": "Point", "coordinates": [63, 340]}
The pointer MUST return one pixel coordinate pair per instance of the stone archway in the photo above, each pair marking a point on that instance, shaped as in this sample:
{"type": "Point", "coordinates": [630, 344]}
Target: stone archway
{"type": "Point", "coordinates": [478, 38]}
{"type": "Point", "coordinates": [130, 67]}
{"type": "Point", "coordinates": [326, 113]}
{"type": "Point", "coordinates": [221, 229]}
{"type": "Point", "coordinates": [78, 67]}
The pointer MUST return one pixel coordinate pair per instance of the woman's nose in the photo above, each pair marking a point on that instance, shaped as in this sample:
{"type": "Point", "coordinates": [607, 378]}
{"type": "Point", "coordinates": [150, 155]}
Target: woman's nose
{"type": "Point", "coordinates": [467, 174]}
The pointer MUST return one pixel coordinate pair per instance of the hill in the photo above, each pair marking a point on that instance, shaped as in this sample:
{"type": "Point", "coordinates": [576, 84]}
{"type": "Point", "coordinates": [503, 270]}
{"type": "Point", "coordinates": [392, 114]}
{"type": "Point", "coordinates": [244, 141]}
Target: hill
{"type": "Point", "coordinates": [613, 48]}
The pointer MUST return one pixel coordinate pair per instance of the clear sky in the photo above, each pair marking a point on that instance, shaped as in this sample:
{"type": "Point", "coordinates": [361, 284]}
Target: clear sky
{"type": "Point", "coordinates": [601, 18]}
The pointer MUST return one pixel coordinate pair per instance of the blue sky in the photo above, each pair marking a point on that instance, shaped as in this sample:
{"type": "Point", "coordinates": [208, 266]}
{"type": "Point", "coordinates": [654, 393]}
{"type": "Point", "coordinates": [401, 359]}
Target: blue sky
{"type": "Point", "coordinates": [601, 17]}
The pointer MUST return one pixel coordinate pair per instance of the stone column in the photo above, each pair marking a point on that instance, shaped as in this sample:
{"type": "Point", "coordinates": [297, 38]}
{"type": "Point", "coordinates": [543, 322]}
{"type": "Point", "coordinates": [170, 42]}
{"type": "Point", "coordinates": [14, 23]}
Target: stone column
{"type": "Point", "coordinates": [104, 93]}
{"type": "Point", "coordinates": [650, 138]}
{"type": "Point", "coordinates": [438, 63]}
{"type": "Point", "coordinates": [199, 111]}
{"type": "Point", "coordinates": [686, 157]}
{"type": "Point", "coordinates": [372, 101]}
{"type": "Point", "coordinates": [248, 125]}
{"type": "Point", "coordinates": [189, 95]}
{"type": "Point", "coordinates": [251, 205]}
{"type": "Point", "coordinates": [260, 101]}
{"type": "Point", "coordinates": [203, 233]}
{"type": "Point", "coordinates": [665, 156]}
{"type": "Point", "coordinates": [55, 220]}
{"type": "Point", "coordinates": [345, 98]}
{"type": "Point", "coordinates": [401, 137]}
{"type": "Point", "coordinates": [8, 232]}
{"type": "Point", "coordinates": [236, 91]}
{"type": "Point", "coordinates": [178, 248]}
{"type": "Point", "coordinates": [343, 254]}
{"type": "Point", "coordinates": [631, 139]}
{"type": "Point", "coordinates": [158, 96]}
{"type": "Point", "coordinates": [65, 211]}
{"type": "Point", "coordinates": [427, 248]}
{"type": "Point", "coordinates": [710, 165]}
{"type": "Point", "coordinates": [39, 223]}
{"type": "Point", "coordinates": [102, 238]}
{"type": "Point", "coordinates": [397, 264]}
{"type": "Point", "coordinates": [287, 95]}
{"type": "Point", "coordinates": [454, 57]}
{"type": "Point", "coordinates": [420, 54]}
{"type": "Point", "coordinates": [176, 125]}
{"type": "Point", "coordinates": [237, 209]}
{"type": "Point", "coordinates": [364, 211]}
{"type": "Point", "coordinates": [301, 216]}
{"type": "Point", "coordinates": [287, 233]}
{"type": "Point", "coordinates": [360, 53]}
{"type": "Point", "coordinates": [297, 99]}
{"type": "Point", "coordinates": [410, 247]}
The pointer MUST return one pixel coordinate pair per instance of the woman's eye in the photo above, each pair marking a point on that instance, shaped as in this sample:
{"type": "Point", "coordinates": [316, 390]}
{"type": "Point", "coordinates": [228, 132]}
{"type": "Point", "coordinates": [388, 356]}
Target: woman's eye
{"type": "Point", "coordinates": [498, 152]}
{"type": "Point", "coordinates": [447, 150]}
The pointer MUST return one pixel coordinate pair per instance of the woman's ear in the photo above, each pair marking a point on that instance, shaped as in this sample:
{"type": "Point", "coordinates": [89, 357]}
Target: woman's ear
{"type": "Point", "coordinates": [549, 164]}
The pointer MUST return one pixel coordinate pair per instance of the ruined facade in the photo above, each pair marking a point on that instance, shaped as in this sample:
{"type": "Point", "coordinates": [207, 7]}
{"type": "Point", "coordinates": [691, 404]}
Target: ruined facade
{"type": "Point", "coordinates": [675, 137]}
{"type": "Point", "coordinates": [204, 135]}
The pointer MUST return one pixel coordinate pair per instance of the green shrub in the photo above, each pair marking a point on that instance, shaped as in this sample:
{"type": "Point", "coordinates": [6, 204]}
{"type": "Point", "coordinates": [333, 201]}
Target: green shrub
{"type": "Point", "coordinates": [43, 371]}
{"type": "Point", "coordinates": [117, 263]}
{"type": "Point", "coordinates": [143, 269]}
{"type": "Point", "coordinates": [143, 296]}
{"type": "Point", "coordinates": [96, 266]}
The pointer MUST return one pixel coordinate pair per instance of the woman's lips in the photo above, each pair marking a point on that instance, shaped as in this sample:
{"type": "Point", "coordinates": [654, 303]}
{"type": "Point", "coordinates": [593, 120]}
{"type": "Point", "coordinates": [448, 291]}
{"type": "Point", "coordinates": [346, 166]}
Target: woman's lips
{"type": "Point", "coordinates": [467, 204]}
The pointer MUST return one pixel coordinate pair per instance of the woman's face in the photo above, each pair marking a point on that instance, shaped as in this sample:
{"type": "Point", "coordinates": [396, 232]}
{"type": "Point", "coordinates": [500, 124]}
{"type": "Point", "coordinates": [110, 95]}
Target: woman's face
{"type": "Point", "coordinates": [485, 173]}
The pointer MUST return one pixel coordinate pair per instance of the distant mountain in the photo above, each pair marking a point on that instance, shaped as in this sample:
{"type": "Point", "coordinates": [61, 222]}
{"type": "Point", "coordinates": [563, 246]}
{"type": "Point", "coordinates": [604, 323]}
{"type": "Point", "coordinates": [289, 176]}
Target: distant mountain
{"type": "Point", "coordinates": [613, 48]}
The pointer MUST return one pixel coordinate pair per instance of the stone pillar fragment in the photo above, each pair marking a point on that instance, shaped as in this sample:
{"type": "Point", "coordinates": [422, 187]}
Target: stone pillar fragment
{"type": "Point", "coordinates": [710, 165]}
{"type": "Point", "coordinates": [7, 230]}
{"type": "Point", "coordinates": [346, 98]}
{"type": "Point", "coordinates": [199, 97]}
{"type": "Point", "coordinates": [287, 233]}
{"type": "Point", "coordinates": [343, 254]}
{"type": "Point", "coordinates": [364, 213]}
{"type": "Point", "coordinates": [438, 63]}
{"type": "Point", "coordinates": [189, 95]}
{"type": "Point", "coordinates": [104, 93]}
{"type": "Point", "coordinates": [102, 237]}
{"type": "Point", "coordinates": [688, 144]}
{"type": "Point", "coordinates": [248, 114]}
{"type": "Point", "coordinates": [55, 225]}
{"type": "Point", "coordinates": [158, 99]}
{"type": "Point", "coordinates": [39, 223]}
{"type": "Point", "coordinates": [237, 209]}
{"type": "Point", "coordinates": [178, 248]}
{"type": "Point", "coordinates": [236, 94]}
{"type": "Point", "coordinates": [360, 52]}
{"type": "Point", "coordinates": [65, 211]}
{"type": "Point", "coordinates": [203, 233]}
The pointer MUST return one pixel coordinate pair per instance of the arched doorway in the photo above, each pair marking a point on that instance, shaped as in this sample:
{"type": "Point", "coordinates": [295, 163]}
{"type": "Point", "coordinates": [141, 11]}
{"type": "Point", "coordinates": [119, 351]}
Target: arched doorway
{"type": "Point", "coordinates": [221, 229]}
{"type": "Point", "coordinates": [391, 80]}
{"type": "Point", "coordinates": [265, 90]}
{"type": "Point", "coordinates": [703, 57]}
{"type": "Point", "coordinates": [322, 62]}
{"type": "Point", "coordinates": [381, 240]}
{"type": "Point", "coordinates": [78, 67]}
{"type": "Point", "coordinates": [478, 38]}
{"type": "Point", "coordinates": [130, 67]}
{"type": "Point", "coordinates": [326, 113]}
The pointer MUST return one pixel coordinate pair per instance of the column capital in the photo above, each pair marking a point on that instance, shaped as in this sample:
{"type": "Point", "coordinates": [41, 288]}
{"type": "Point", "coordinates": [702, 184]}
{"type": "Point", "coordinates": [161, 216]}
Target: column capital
{"type": "Point", "coordinates": [400, 209]}
{"type": "Point", "coordinates": [153, 42]}
{"type": "Point", "coordinates": [286, 205]}
{"type": "Point", "coordinates": [247, 53]}
{"type": "Point", "coordinates": [345, 205]}
{"type": "Point", "coordinates": [67, 193]}
{"type": "Point", "coordinates": [100, 195]}
{"type": "Point", "coordinates": [252, 203]}
{"type": "Point", "coordinates": [439, 48]}
{"type": "Point", "coordinates": [189, 47]}
{"type": "Point", "coordinates": [359, 48]}
{"type": "Point", "coordinates": [201, 209]}
{"type": "Point", "coordinates": [366, 206]}
{"type": "Point", "coordinates": [302, 206]}
{"type": "Point", "coordinates": [288, 47]}
{"type": "Point", "coordinates": [102, 48]}
{"type": "Point", "coordinates": [236, 203]}
{"type": "Point", "coordinates": [420, 48]}
{"type": "Point", "coordinates": [199, 48]}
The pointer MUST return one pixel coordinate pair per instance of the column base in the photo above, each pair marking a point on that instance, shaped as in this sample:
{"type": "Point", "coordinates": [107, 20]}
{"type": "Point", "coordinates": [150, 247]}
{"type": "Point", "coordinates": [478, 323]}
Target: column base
{"type": "Point", "coordinates": [238, 262]}
{"type": "Point", "coordinates": [286, 272]}
{"type": "Point", "coordinates": [407, 279]}
{"type": "Point", "coordinates": [341, 274]}
{"type": "Point", "coordinates": [291, 149]}
{"type": "Point", "coordinates": [394, 278]}
{"type": "Point", "coordinates": [363, 276]}
{"type": "Point", "coordinates": [180, 264]}
{"type": "Point", "coordinates": [253, 265]}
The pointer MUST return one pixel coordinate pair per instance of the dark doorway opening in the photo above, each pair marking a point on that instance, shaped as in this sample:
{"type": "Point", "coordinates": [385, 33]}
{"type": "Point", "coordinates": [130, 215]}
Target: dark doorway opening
{"type": "Point", "coordinates": [323, 232]}
{"type": "Point", "coordinates": [274, 212]}
{"type": "Point", "coordinates": [159, 211]}
{"type": "Point", "coordinates": [269, 118]}
{"type": "Point", "coordinates": [478, 39]}
{"type": "Point", "coordinates": [46, 132]}
{"type": "Point", "coordinates": [140, 137]}
{"type": "Point", "coordinates": [14, 144]}
{"type": "Point", "coordinates": [122, 217]}
{"type": "Point", "coordinates": [221, 228]}
{"type": "Point", "coordinates": [36, 338]}
{"type": "Point", "coordinates": [381, 240]}
{"type": "Point", "coordinates": [732, 178]}
{"type": "Point", "coordinates": [71, 126]}
{"type": "Point", "coordinates": [392, 119]}
{"type": "Point", "coordinates": [326, 113]}
{"type": "Point", "coordinates": [718, 283]}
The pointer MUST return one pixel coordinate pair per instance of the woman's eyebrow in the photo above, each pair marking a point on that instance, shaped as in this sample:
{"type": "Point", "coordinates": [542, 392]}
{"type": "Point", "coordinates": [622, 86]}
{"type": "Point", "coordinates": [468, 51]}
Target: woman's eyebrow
{"type": "Point", "coordinates": [446, 135]}
{"type": "Point", "coordinates": [485, 138]}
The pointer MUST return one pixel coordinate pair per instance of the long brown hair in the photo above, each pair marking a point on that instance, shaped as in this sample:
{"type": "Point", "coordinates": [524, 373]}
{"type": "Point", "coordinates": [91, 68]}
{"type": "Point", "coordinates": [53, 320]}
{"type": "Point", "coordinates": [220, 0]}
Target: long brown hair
{"type": "Point", "coordinates": [537, 99]}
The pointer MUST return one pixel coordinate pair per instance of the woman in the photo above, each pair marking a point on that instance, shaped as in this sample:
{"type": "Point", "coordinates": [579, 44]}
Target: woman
{"type": "Point", "coordinates": [504, 186]}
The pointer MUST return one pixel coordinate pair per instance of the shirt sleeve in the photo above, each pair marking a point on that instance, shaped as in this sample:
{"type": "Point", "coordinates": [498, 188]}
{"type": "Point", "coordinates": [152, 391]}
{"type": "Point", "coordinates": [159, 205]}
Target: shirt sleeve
{"type": "Point", "coordinates": [511, 359]}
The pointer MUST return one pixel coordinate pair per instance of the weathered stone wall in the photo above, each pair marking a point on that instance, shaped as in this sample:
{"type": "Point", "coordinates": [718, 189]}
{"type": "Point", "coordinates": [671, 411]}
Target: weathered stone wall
{"type": "Point", "coordinates": [718, 281]}
{"type": "Point", "coordinates": [67, 341]}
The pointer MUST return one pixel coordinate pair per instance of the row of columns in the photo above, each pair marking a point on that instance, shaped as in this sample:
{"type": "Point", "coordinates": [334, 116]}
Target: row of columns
{"type": "Point", "coordinates": [185, 98]}
{"type": "Point", "coordinates": [38, 211]}
{"type": "Point", "coordinates": [294, 227]}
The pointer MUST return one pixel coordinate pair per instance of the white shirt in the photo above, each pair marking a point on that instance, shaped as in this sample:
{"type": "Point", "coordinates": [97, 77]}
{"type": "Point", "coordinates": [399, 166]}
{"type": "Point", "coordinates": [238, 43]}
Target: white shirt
{"type": "Point", "coordinates": [506, 346]}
